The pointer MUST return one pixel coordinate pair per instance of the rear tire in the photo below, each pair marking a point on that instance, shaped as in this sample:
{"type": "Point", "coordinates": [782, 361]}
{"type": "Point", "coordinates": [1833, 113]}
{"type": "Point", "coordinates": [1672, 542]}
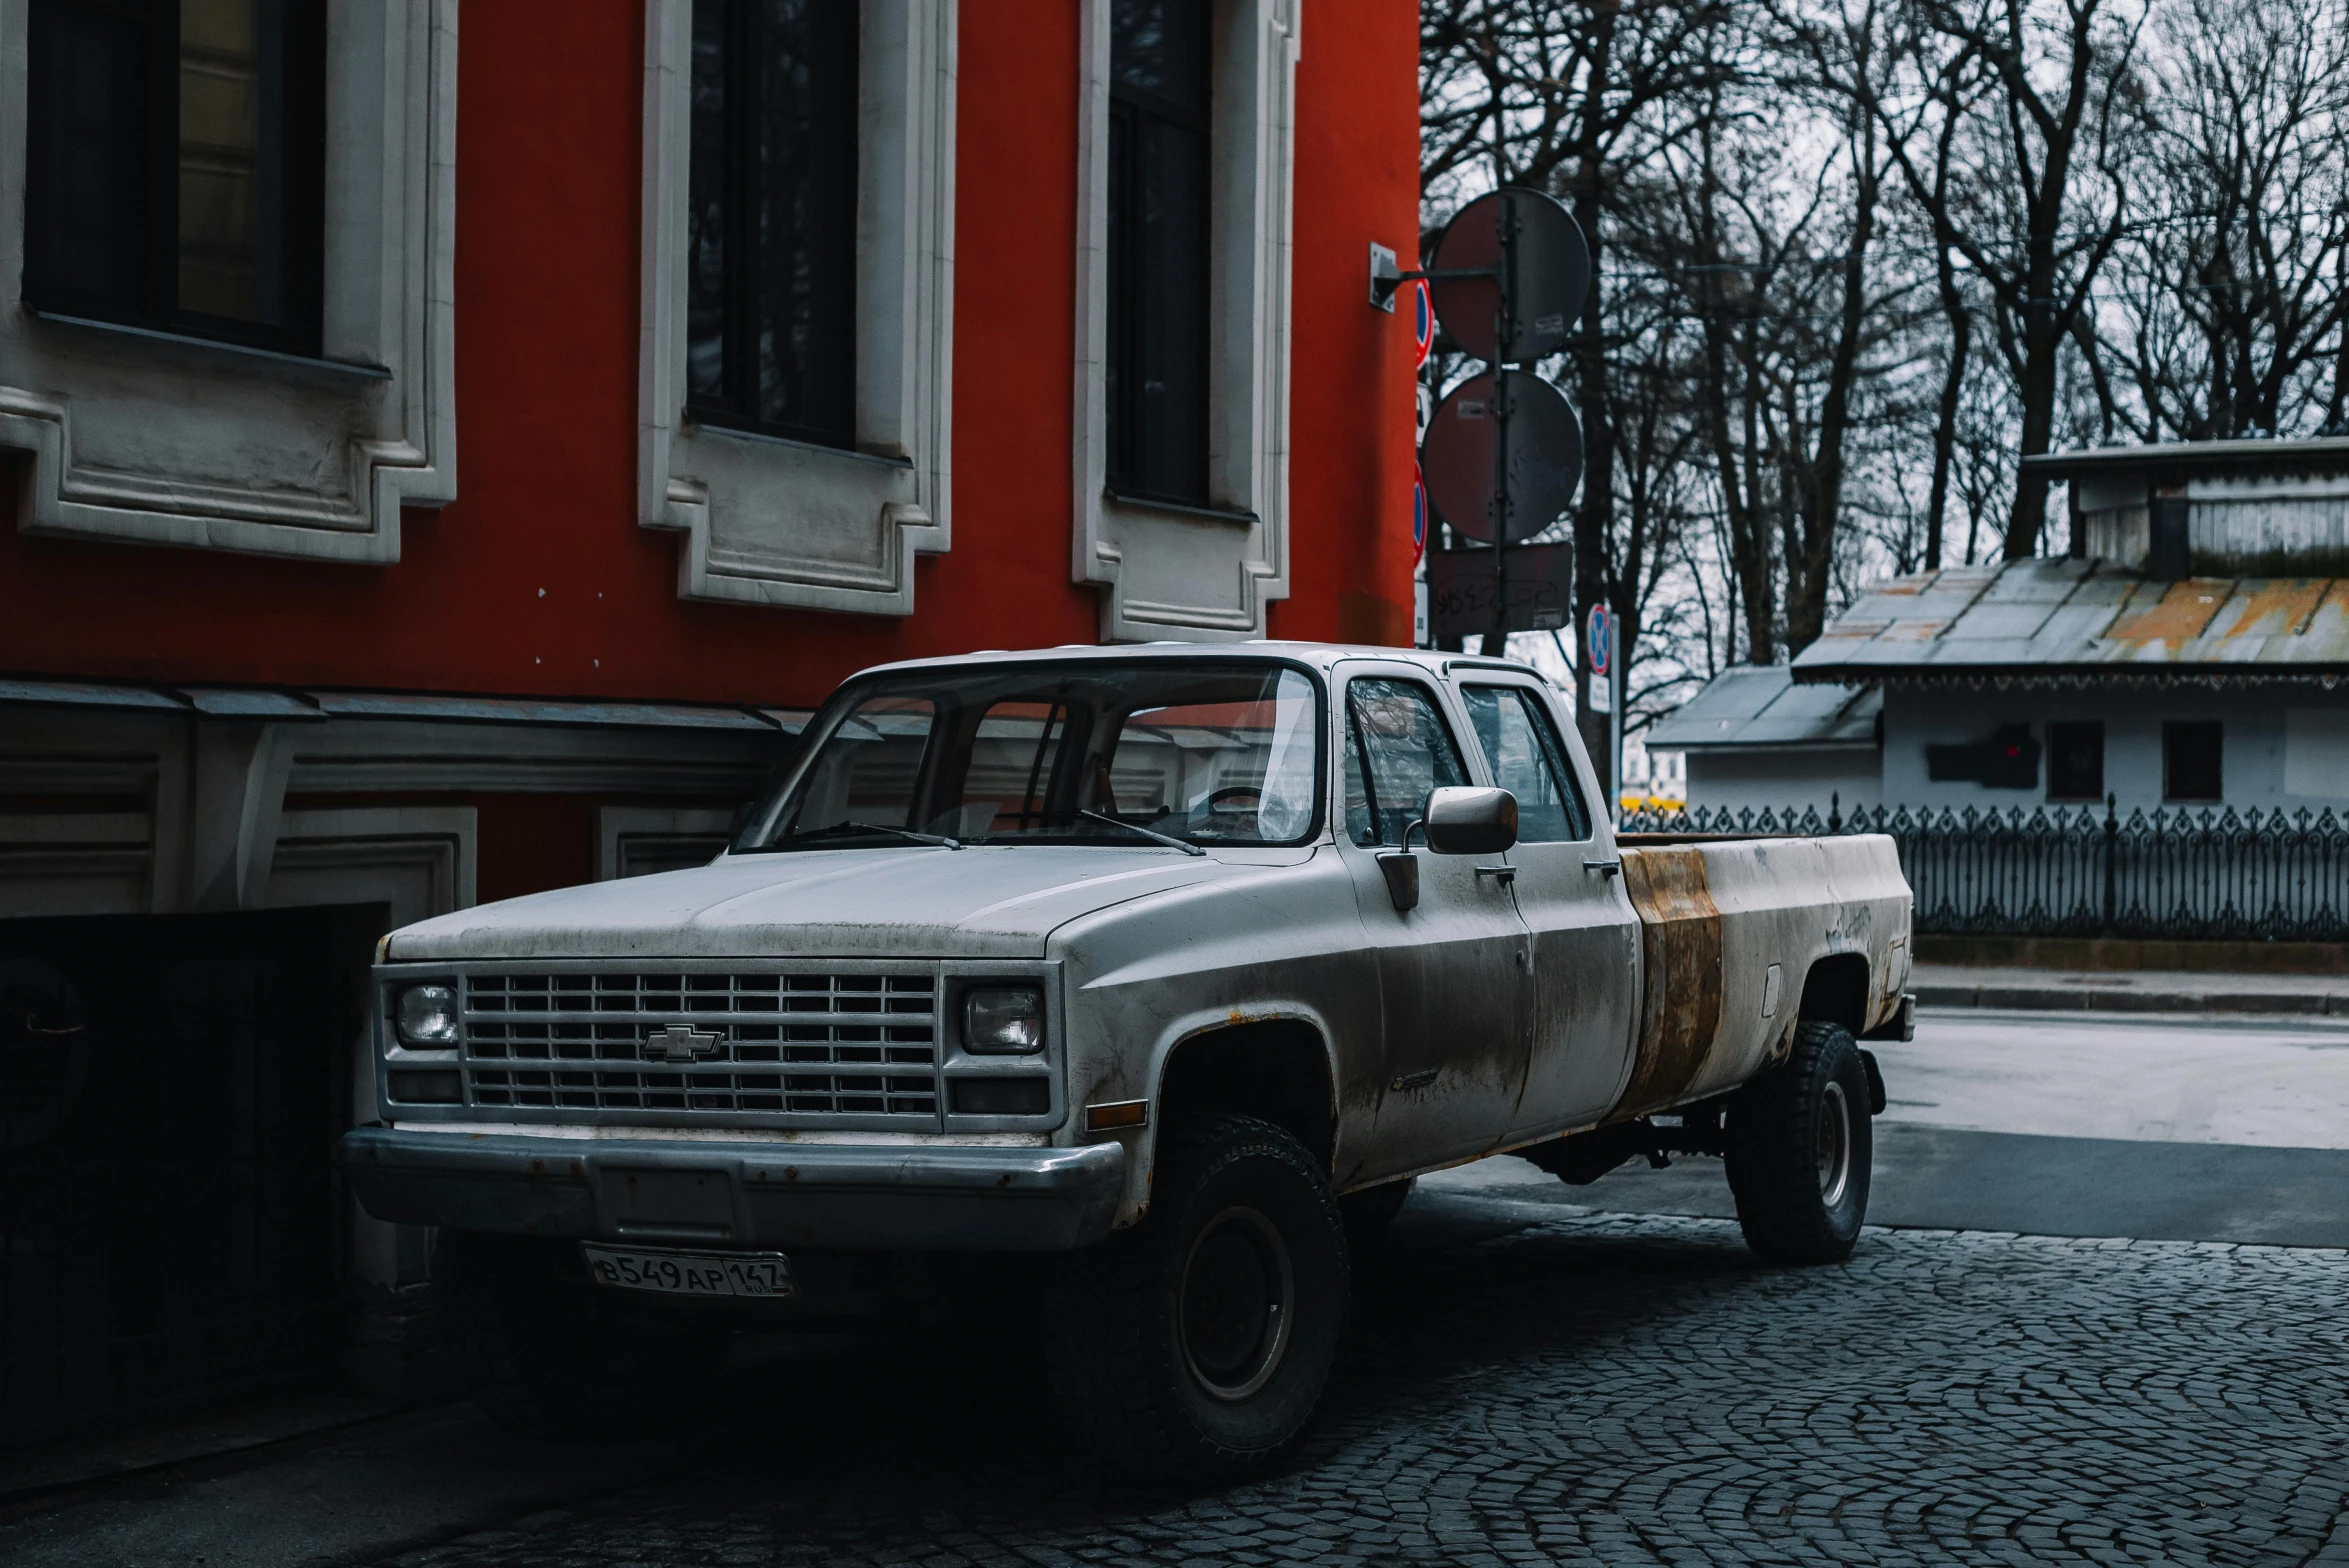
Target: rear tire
{"type": "Point", "coordinates": [1197, 1345]}
{"type": "Point", "coordinates": [1799, 1150]}
{"type": "Point", "coordinates": [544, 1354]}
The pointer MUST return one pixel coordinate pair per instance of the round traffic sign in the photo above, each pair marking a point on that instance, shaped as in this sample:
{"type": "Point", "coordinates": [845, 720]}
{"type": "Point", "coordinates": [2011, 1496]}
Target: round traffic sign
{"type": "Point", "coordinates": [1552, 263]}
{"type": "Point", "coordinates": [1422, 320]}
{"type": "Point", "coordinates": [1545, 456]}
{"type": "Point", "coordinates": [1418, 514]}
{"type": "Point", "coordinates": [1602, 641]}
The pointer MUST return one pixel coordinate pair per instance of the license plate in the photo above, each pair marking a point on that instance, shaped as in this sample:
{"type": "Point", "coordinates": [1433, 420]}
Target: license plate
{"type": "Point", "coordinates": [679, 1273]}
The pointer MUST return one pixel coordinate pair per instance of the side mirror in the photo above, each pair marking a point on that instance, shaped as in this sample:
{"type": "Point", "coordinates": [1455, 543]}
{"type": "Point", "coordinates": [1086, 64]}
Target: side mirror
{"type": "Point", "coordinates": [1464, 821]}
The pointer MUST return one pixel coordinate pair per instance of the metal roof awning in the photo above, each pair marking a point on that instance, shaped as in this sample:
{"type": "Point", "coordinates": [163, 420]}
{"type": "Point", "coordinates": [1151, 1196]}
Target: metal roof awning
{"type": "Point", "coordinates": [273, 703]}
{"type": "Point", "coordinates": [2085, 621]}
{"type": "Point", "coordinates": [2184, 459]}
{"type": "Point", "coordinates": [1758, 707]}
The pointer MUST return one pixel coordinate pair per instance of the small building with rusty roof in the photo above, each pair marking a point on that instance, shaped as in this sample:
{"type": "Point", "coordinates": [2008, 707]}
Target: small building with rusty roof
{"type": "Point", "coordinates": [1754, 739]}
{"type": "Point", "coordinates": [2192, 649]}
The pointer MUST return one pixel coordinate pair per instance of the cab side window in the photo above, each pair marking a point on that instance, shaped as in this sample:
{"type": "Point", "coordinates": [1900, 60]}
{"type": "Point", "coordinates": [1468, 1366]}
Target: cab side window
{"type": "Point", "coordinates": [1397, 749]}
{"type": "Point", "coordinates": [1529, 761]}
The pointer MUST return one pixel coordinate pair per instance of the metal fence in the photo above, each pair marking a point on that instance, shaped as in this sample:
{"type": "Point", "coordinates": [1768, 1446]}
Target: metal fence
{"type": "Point", "coordinates": [2187, 873]}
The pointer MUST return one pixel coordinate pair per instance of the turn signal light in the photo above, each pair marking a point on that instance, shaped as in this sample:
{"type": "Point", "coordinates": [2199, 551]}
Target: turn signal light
{"type": "Point", "coordinates": [425, 1086]}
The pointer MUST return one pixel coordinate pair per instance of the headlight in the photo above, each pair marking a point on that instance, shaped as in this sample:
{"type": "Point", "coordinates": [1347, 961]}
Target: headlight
{"type": "Point", "coordinates": [1003, 1020]}
{"type": "Point", "coordinates": [428, 1015]}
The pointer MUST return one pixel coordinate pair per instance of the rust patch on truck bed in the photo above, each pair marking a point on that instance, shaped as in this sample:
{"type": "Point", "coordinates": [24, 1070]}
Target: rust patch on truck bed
{"type": "Point", "coordinates": [1680, 941]}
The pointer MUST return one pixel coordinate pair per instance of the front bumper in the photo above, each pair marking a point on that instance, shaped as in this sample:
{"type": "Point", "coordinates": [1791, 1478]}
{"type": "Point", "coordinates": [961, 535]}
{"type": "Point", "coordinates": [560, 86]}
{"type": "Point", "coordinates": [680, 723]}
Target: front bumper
{"type": "Point", "coordinates": [892, 1197]}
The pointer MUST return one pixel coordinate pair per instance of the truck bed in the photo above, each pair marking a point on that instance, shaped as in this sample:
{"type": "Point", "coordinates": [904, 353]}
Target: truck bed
{"type": "Point", "coordinates": [1735, 932]}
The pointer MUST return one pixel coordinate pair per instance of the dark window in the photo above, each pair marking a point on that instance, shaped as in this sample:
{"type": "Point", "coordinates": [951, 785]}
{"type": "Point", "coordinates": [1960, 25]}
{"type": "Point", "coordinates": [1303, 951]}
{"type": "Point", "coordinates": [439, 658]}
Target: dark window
{"type": "Point", "coordinates": [2009, 759]}
{"type": "Point", "coordinates": [2190, 760]}
{"type": "Point", "coordinates": [1157, 350]}
{"type": "Point", "coordinates": [771, 218]}
{"type": "Point", "coordinates": [174, 165]}
{"type": "Point", "coordinates": [2075, 761]}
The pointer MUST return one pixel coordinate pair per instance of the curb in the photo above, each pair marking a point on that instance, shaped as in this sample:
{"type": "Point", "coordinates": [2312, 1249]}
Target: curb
{"type": "Point", "coordinates": [2089, 999]}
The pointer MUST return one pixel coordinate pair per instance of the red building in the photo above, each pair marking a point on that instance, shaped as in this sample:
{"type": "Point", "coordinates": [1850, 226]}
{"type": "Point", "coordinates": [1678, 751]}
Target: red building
{"type": "Point", "coordinates": [446, 448]}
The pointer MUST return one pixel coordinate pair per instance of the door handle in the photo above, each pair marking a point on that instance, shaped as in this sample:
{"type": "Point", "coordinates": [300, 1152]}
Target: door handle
{"type": "Point", "coordinates": [1605, 868]}
{"type": "Point", "coordinates": [1505, 875]}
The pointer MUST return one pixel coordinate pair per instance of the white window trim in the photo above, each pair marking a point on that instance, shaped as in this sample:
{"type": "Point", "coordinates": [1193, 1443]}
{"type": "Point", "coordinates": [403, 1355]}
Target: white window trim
{"type": "Point", "coordinates": [775, 522]}
{"type": "Point", "coordinates": [624, 833]}
{"type": "Point", "coordinates": [162, 440]}
{"type": "Point", "coordinates": [1172, 572]}
{"type": "Point", "coordinates": [418, 861]}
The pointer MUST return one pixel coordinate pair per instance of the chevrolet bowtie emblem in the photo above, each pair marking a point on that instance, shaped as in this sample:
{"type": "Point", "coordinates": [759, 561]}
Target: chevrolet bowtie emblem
{"type": "Point", "coordinates": [680, 1043]}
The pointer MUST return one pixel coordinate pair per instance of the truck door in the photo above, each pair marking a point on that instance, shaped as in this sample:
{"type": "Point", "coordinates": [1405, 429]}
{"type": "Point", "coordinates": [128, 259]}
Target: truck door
{"type": "Point", "coordinates": [1454, 972]}
{"type": "Point", "coordinates": [1569, 888]}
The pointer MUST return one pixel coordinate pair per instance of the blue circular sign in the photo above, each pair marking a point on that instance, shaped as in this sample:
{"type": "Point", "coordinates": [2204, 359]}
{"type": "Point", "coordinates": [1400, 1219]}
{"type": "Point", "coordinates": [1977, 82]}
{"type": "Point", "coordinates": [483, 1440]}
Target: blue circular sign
{"type": "Point", "coordinates": [1423, 318]}
{"type": "Point", "coordinates": [1418, 515]}
{"type": "Point", "coordinates": [1601, 639]}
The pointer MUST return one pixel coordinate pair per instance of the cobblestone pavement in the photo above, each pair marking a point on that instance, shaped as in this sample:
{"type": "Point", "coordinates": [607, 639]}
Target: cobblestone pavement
{"type": "Point", "coordinates": [1603, 1388]}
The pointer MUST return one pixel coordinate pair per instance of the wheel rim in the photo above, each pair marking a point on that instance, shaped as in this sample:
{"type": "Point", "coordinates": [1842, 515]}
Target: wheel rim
{"type": "Point", "coordinates": [1834, 1145]}
{"type": "Point", "coordinates": [1238, 1300]}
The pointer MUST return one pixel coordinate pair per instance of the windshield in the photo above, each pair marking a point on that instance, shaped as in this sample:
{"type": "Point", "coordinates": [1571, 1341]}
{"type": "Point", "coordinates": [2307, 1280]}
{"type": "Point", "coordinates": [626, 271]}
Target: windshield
{"type": "Point", "coordinates": [1206, 751]}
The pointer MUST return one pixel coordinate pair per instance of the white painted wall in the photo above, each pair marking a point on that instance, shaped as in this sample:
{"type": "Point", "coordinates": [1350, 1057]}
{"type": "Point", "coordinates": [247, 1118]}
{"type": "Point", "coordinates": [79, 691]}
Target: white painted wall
{"type": "Point", "coordinates": [2285, 748]}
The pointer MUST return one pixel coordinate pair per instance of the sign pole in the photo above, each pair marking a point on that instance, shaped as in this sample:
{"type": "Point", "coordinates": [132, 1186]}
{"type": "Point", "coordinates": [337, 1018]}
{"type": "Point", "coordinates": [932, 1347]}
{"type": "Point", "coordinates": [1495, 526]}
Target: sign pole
{"type": "Point", "coordinates": [1524, 247]}
{"type": "Point", "coordinates": [1496, 644]}
{"type": "Point", "coordinates": [1602, 678]}
{"type": "Point", "coordinates": [1615, 736]}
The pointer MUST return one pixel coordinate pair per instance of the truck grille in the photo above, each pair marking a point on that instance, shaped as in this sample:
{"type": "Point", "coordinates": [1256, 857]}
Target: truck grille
{"type": "Point", "coordinates": [827, 1044]}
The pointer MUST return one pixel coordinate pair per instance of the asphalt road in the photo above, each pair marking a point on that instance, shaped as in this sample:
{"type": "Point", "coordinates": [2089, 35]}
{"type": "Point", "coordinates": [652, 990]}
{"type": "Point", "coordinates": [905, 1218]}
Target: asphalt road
{"type": "Point", "coordinates": [2206, 1079]}
{"type": "Point", "coordinates": [2185, 1129]}
{"type": "Point", "coordinates": [1541, 1373]}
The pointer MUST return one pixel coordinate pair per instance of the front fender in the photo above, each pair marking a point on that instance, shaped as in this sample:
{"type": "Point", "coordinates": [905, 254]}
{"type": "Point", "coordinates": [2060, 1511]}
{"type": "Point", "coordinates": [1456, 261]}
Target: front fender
{"type": "Point", "coordinates": [1143, 979]}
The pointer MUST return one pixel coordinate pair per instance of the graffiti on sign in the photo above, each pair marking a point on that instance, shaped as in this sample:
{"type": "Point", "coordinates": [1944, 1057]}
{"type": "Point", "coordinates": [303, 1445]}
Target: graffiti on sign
{"type": "Point", "coordinates": [1460, 590]}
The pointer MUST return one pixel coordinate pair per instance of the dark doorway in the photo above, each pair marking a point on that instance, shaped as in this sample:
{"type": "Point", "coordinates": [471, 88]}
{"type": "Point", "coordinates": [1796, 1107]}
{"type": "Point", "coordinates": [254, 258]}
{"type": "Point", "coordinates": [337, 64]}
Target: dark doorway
{"type": "Point", "coordinates": [171, 1230]}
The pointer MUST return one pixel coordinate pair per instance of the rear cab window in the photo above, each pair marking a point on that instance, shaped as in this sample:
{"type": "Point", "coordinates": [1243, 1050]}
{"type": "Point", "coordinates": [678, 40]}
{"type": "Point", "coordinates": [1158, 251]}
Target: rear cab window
{"type": "Point", "coordinates": [1529, 760]}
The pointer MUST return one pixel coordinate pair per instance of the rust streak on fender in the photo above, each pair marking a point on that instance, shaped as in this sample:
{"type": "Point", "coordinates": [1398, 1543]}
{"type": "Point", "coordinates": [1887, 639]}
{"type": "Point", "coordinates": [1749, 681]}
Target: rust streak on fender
{"type": "Point", "coordinates": [1680, 938]}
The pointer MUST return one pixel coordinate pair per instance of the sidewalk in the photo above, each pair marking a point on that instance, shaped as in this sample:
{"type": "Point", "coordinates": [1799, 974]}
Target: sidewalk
{"type": "Point", "coordinates": [2140, 991]}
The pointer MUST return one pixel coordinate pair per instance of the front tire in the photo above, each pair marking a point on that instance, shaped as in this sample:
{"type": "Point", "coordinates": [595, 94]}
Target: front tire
{"type": "Point", "coordinates": [1197, 1345]}
{"type": "Point", "coordinates": [1800, 1148]}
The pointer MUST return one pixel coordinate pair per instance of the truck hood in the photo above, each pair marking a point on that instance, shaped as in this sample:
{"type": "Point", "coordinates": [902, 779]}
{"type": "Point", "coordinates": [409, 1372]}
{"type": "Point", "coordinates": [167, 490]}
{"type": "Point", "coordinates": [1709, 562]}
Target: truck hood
{"type": "Point", "coordinates": [980, 902]}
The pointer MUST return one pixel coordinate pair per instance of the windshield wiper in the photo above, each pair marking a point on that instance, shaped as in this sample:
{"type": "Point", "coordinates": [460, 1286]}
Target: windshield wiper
{"type": "Point", "coordinates": [1168, 839]}
{"type": "Point", "coordinates": [830, 828]}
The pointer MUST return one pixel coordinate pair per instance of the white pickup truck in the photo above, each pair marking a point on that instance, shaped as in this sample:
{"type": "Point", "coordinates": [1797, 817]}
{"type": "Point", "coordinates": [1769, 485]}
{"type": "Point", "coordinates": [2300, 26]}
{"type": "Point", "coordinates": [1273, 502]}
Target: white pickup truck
{"type": "Point", "coordinates": [1179, 963]}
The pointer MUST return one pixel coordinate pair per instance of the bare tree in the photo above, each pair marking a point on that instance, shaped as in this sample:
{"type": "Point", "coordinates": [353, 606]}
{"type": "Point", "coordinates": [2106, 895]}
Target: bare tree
{"type": "Point", "coordinates": [1944, 86]}
{"type": "Point", "coordinates": [2231, 290]}
{"type": "Point", "coordinates": [1855, 258]}
{"type": "Point", "coordinates": [2038, 201]}
{"type": "Point", "coordinates": [1837, 55]}
{"type": "Point", "coordinates": [1715, 229]}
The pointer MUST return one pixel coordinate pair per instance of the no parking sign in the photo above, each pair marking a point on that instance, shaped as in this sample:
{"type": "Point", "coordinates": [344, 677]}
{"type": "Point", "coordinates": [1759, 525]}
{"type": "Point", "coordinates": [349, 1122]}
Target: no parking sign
{"type": "Point", "coordinates": [1599, 646]}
